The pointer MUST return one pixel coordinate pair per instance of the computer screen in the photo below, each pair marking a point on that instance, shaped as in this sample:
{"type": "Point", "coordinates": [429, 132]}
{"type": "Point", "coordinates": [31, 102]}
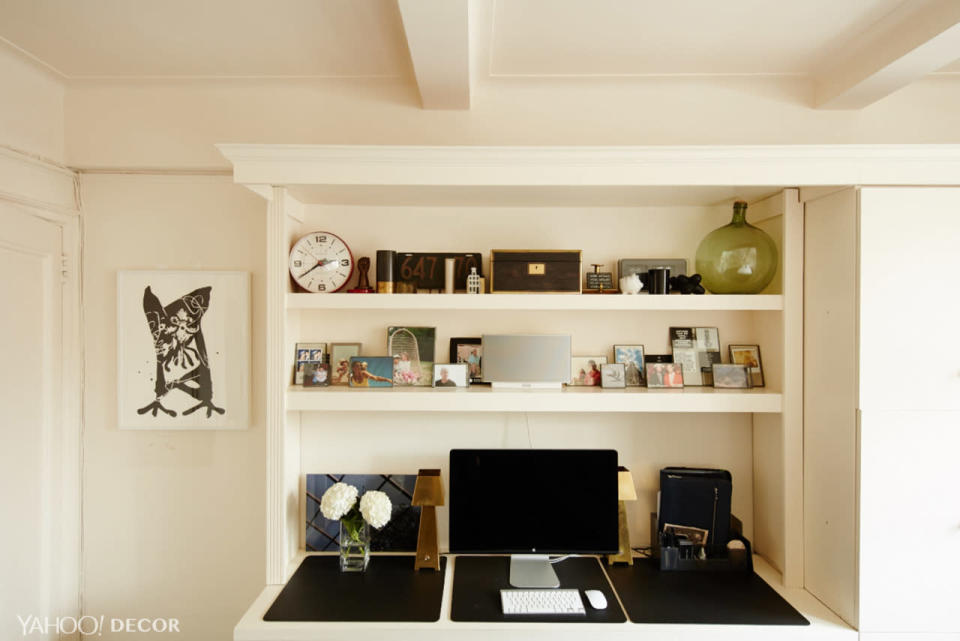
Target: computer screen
{"type": "Point", "coordinates": [533, 501]}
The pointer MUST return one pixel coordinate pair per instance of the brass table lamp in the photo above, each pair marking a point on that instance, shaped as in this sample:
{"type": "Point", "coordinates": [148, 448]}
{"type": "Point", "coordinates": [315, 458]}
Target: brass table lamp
{"type": "Point", "coordinates": [428, 494]}
{"type": "Point", "coordinates": [626, 492]}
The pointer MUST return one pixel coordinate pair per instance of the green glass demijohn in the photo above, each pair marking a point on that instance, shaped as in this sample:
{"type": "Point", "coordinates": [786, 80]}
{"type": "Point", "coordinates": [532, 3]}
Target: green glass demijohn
{"type": "Point", "coordinates": [737, 258]}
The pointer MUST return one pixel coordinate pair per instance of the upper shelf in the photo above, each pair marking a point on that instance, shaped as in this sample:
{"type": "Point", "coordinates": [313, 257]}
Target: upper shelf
{"type": "Point", "coordinates": [478, 398]}
{"type": "Point", "coordinates": [546, 302]}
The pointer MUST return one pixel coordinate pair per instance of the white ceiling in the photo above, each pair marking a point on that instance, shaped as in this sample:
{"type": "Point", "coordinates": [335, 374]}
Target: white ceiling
{"type": "Point", "coordinates": [853, 52]}
{"type": "Point", "coordinates": [365, 38]}
{"type": "Point", "coordinates": [143, 38]}
{"type": "Point", "coordinates": [621, 37]}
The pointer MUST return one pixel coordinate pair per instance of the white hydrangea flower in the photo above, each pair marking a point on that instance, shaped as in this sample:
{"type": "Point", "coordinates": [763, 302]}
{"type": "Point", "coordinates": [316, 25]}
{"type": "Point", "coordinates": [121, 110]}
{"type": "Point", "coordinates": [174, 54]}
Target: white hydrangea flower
{"type": "Point", "coordinates": [337, 500]}
{"type": "Point", "coordinates": [375, 507]}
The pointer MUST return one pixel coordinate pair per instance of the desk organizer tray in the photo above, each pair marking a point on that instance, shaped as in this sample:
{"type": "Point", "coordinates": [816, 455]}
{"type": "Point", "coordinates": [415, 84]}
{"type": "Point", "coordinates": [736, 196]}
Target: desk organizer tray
{"type": "Point", "coordinates": [725, 598]}
{"type": "Point", "coordinates": [390, 590]}
{"type": "Point", "coordinates": [477, 581]}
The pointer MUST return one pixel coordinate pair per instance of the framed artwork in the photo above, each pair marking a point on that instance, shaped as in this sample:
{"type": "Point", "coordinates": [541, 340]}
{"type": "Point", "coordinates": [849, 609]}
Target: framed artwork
{"type": "Point", "coordinates": [748, 355]}
{"type": "Point", "coordinates": [450, 375]}
{"type": "Point", "coordinates": [731, 376]}
{"type": "Point", "coordinates": [183, 350]}
{"type": "Point", "coordinates": [632, 358]}
{"type": "Point", "coordinates": [613, 375]}
{"type": "Point", "coordinates": [585, 370]}
{"type": "Point", "coordinates": [371, 371]}
{"type": "Point", "coordinates": [664, 375]}
{"type": "Point", "coordinates": [413, 350]}
{"type": "Point", "coordinates": [307, 353]}
{"type": "Point", "coordinates": [340, 355]}
{"type": "Point", "coordinates": [469, 351]}
{"type": "Point", "coordinates": [316, 375]}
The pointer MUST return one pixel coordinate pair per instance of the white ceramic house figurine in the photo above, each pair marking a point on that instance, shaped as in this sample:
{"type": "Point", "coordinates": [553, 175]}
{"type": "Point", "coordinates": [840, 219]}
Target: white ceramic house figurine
{"type": "Point", "coordinates": [473, 281]}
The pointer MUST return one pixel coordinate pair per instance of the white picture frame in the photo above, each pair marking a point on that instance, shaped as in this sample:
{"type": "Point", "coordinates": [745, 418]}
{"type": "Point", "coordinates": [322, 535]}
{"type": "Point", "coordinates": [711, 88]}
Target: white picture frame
{"type": "Point", "coordinates": [201, 336]}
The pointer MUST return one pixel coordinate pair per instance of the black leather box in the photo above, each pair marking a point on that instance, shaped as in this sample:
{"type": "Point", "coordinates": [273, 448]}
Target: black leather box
{"type": "Point", "coordinates": [544, 271]}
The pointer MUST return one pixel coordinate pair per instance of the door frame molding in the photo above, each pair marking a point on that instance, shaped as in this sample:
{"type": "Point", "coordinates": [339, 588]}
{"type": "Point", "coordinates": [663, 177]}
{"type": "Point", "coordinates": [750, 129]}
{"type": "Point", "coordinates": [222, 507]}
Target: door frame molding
{"type": "Point", "coordinates": [51, 192]}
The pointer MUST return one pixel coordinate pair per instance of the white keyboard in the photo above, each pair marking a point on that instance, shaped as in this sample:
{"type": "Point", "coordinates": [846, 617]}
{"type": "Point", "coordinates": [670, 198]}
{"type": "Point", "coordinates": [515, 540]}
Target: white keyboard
{"type": "Point", "coordinates": [550, 601]}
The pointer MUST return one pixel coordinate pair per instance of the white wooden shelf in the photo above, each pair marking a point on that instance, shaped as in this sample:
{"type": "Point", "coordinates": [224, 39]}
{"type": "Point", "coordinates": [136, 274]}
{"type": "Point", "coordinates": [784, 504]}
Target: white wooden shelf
{"type": "Point", "coordinates": [550, 302]}
{"type": "Point", "coordinates": [482, 398]}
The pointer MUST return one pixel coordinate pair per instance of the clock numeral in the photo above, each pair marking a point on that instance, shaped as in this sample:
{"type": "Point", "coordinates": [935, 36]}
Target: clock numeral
{"type": "Point", "coordinates": [321, 239]}
{"type": "Point", "coordinates": [298, 263]}
{"type": "Point", "coordinates": [345, 262]}
{"type": "Point", "coordinates": [322, 287]}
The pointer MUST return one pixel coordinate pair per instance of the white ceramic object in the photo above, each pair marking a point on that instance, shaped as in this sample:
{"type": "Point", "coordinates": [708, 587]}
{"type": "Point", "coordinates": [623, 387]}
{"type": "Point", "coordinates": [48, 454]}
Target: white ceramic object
{"type": "Point", "coordinates": [631, 284]}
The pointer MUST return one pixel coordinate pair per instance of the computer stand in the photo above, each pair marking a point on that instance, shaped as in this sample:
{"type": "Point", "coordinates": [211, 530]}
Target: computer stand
{"type": "Point", "coordinates": [532, 571]}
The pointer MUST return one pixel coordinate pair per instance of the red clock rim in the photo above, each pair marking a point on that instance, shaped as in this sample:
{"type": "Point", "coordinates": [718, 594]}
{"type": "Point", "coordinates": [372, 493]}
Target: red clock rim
{"type": "Point", "coordinates": [353, 263]}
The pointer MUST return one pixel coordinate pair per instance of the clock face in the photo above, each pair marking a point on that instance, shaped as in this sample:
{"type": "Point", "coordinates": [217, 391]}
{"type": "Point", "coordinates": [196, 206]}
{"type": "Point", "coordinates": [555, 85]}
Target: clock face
{"type": "Point", "coordinates": [321, 262]}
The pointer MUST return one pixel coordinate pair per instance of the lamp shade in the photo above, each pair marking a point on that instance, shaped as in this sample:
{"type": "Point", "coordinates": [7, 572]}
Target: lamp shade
{"type": "Point", "coordinates": [429, 488]}
{"type": "Point", "coordinates": [626, 490]}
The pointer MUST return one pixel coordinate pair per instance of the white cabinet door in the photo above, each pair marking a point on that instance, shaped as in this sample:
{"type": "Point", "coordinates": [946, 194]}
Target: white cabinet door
{"type": "Point", "coordinates": [909, 522]}
{"type": "Point", "coordinates": [30, 342]}
{"type": "Point", "coordinates": [909, 307]}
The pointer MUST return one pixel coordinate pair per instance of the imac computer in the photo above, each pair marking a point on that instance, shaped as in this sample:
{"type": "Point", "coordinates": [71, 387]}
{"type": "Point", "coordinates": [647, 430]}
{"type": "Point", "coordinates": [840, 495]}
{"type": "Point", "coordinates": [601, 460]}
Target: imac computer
{"type": "Point", "coordinates": [533, 503]}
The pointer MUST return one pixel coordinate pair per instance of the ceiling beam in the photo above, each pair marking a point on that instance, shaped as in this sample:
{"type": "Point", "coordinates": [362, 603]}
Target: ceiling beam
{"type": "Point", "coordinates": [915, 39]}
{"type": "Point", "coordinates": [439, 42]}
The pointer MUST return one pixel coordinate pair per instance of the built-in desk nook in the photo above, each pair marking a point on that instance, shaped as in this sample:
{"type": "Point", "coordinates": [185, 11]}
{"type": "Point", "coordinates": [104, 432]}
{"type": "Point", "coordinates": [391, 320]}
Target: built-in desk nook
{"type": "Point", "coordinates": [793, 447]}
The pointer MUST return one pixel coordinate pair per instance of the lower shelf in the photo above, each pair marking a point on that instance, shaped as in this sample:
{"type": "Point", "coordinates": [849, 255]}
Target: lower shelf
{"type": "Point", "coordinates": [569, 399]}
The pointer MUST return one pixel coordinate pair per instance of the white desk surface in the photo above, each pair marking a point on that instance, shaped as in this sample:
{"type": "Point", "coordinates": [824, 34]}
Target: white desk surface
{"type": "Point", "coordinates": [824, 624]}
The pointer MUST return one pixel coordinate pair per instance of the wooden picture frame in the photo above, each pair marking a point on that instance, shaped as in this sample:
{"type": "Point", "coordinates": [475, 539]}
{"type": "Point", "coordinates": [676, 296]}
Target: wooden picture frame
{"type": "Point", "coordinates": [340, 355]}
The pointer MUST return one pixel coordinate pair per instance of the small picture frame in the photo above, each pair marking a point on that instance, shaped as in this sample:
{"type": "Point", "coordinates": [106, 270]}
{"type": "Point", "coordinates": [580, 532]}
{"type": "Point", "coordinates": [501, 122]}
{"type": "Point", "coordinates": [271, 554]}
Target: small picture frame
{"type": "Point", "coordinates": [613, 375]}
{"type": "Point", "coordinates": [451, 375]}
{"type": "Point", "coordinates": [585, 370]}
{"type": "Point", "coordinates": [748, 355]}
{"type": "Point", "coordinates": [664, 375]}
{"type": "Point", "coordinates": [307, 353]}
{"type": "Point", "coordinates": [731, 376]}
{"type": "Point", "coordinates": [469, 351]}
{"type": "Point", "coordinates": [316, 375]}
{"type": "Point", "coordinates": [632, 358]}
{"type": "Point", "coordinates": [340, 355]}
{"type": "Point", "coordinates": [414, 352]}
{"type": "Point", "coordinates": [371, 371]}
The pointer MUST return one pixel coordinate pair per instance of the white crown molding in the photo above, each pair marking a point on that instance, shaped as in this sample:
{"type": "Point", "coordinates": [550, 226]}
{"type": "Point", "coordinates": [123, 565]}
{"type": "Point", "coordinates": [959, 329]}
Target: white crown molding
{"type": "Point", "coordinates": [37, 183]}
{"type": "Point", "coordinates": [596, 166]}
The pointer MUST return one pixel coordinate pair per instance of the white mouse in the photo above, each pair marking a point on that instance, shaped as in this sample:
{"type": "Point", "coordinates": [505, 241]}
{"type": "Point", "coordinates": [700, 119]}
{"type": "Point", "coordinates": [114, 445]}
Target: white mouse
{"type": "Point", "coordinates": [596, 599]}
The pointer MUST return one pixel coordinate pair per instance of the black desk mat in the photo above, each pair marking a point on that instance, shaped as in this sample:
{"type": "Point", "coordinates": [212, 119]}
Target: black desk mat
{"type": "Point", "coordinates": [477, 581]}
{"type": "Point", "coordinates": [734, 598]}
{"type": "Point", "coordinates": [390, 590]}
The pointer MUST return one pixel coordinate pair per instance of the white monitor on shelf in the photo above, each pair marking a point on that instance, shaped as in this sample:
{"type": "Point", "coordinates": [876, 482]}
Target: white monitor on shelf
{"type": "Point", "coordinates": [526, 361]}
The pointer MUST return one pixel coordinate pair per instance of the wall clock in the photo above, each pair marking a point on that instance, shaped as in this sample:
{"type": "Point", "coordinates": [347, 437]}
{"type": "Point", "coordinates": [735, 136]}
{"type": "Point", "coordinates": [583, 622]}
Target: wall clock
{"type": "Point", "coordinates": [321, 262]}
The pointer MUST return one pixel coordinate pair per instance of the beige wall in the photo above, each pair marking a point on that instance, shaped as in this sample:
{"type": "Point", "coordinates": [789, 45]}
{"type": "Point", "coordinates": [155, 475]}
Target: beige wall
{"type": "Point", "coordinates": [176, 124]}
{"type": "Point", "coordinates": [173, 521]}
{"type": "Point", "coordinates": [31, 107]}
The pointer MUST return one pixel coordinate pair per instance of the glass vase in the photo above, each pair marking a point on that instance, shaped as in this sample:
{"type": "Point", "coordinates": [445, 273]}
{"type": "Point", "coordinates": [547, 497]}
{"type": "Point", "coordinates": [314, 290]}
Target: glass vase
{"type": "Point", "coordinates": [354, 543]}
{"type": "Point", "coordinates": [737, 258]}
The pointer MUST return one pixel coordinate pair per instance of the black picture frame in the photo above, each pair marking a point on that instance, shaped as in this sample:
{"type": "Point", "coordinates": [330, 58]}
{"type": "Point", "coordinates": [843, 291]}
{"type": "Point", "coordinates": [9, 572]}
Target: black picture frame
{"type": "Point", "coordinates": [756, 373]}
{"type": "Point", "coordinates": [455, 344]}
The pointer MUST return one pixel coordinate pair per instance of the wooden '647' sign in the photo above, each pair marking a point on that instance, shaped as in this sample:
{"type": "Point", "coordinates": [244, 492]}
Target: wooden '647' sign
{"type": "Point", "coordinates": [425, 270]}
